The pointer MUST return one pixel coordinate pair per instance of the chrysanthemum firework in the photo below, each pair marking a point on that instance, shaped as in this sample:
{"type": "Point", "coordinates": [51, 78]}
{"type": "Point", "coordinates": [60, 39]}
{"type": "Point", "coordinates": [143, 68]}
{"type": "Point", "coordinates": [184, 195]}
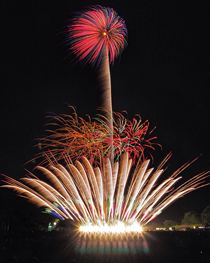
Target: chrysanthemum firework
{"type": "Point", "coordinates": [95, 31]}
{"type": "Point", "coordinates": [77, 137]}
{"type": "Point", "coordinates": [105, 196]}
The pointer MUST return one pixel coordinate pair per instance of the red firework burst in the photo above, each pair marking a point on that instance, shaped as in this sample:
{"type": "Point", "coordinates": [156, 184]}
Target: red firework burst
{"type": "Point", "coordinates": [94, 30]}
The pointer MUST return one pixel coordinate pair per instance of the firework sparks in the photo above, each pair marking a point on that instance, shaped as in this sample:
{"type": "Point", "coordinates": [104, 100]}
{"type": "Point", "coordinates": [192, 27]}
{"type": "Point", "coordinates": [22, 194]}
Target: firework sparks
{"type": "Point", "coordinates": [91, 138]}
{"type": "Point", "coordinates": [102, 198]}
{"type": "Point", "coordinates": [96, 30]}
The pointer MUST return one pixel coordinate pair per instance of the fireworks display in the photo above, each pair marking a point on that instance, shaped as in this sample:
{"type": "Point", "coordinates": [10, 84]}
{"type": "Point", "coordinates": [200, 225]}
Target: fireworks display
{"type": "Point", "coordinates": [104, 198]}
{"type": "Point", "coordinates": [97, 171]}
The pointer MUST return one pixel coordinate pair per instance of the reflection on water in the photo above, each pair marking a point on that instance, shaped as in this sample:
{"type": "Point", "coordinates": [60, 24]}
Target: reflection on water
{"type": "Point", "coordinates": [74, 247]}
{"type": "Point", "coordinates": [111, 244]}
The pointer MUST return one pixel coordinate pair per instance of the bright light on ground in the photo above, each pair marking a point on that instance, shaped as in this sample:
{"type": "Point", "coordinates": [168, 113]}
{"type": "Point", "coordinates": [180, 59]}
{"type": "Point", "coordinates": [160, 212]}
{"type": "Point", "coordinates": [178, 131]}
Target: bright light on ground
{"type": "Point", "coordinates": [116, 227]}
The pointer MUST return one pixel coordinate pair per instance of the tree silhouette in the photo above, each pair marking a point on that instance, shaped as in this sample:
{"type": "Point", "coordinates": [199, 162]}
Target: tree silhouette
{"type": "Point", "coordinates": [191, 218]}
{"type": "Point", "coordinates": [205, 216]}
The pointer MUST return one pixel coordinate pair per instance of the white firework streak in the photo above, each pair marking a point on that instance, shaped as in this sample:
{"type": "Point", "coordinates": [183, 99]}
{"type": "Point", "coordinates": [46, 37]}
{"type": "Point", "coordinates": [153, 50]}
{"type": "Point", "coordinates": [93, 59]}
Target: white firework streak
{"type": "Point", "coordinates": [90, 194]}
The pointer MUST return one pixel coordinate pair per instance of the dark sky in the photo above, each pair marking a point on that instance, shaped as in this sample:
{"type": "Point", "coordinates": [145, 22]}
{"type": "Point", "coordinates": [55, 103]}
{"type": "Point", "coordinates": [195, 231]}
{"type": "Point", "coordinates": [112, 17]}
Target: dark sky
{"type": "Point", "coordinates": [163, 75]}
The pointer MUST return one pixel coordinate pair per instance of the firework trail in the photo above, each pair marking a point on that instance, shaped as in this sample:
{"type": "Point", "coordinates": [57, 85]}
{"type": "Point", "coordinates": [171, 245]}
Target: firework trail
{"type": "Point", "coordinates": [102, 199]}
{"type": "Point", "coordinates": [98, 35]}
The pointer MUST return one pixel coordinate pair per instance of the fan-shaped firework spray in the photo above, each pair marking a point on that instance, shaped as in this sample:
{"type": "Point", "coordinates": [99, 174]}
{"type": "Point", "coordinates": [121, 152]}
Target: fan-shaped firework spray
{"type": "Point", "coordinates": [102, 199]}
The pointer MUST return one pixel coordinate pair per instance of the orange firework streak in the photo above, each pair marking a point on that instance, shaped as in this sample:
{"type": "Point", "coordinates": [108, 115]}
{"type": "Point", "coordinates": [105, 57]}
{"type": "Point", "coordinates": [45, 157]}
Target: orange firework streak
{"type": "Point", "coordinates": [93, 139]}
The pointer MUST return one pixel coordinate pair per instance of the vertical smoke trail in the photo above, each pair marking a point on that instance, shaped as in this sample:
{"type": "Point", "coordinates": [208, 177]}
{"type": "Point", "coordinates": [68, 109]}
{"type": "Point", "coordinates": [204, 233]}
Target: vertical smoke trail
{"type": "Point", "coordinates": [107, 95]}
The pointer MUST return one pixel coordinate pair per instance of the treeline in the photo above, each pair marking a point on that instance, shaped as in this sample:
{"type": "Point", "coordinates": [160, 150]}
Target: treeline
{"type": "Point", "coordinates": [191, 218]}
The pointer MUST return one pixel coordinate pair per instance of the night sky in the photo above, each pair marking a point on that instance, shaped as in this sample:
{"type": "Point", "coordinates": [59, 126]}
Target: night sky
{"type": "Point", "coordinates": [163, 75]}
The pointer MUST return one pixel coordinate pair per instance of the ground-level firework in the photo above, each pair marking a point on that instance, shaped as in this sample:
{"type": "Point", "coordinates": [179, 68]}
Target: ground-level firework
{"type": "Point", "coordinates": [105, 198]}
